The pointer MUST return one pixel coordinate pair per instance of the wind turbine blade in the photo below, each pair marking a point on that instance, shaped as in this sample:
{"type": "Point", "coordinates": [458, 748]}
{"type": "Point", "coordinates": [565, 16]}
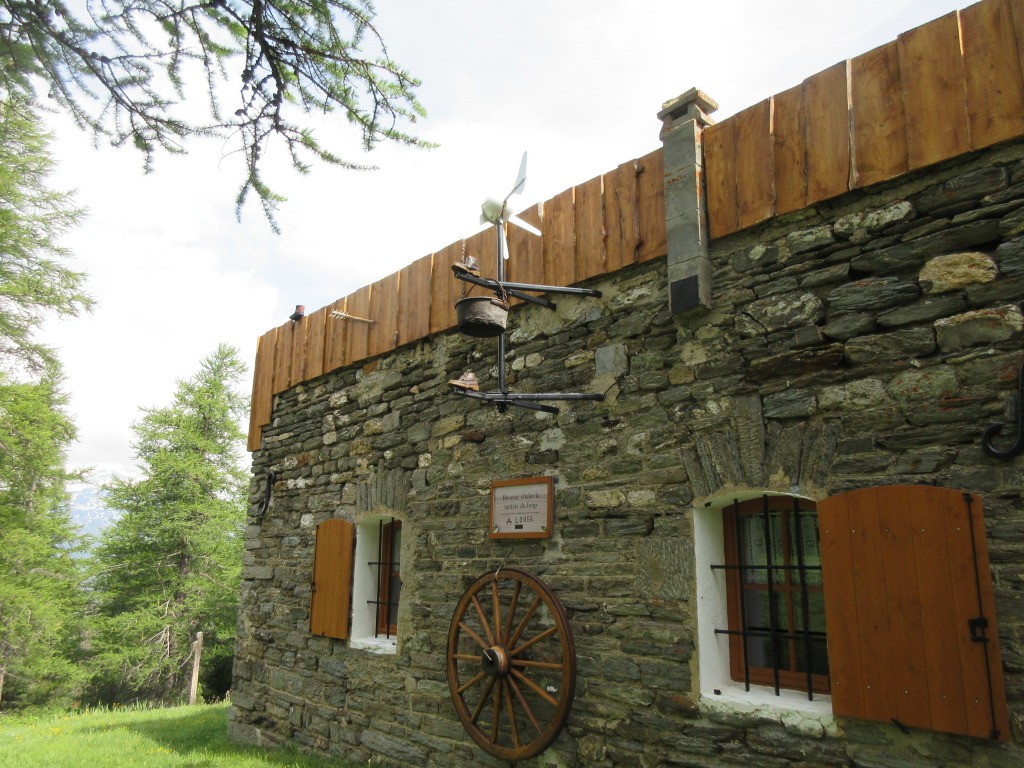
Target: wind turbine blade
{"type": "Point", "coordinates": [504, 243]}
{"type": "Point", "coordinates": [523, 225]}
{"type": "Point", "coordinates": [520, 177]}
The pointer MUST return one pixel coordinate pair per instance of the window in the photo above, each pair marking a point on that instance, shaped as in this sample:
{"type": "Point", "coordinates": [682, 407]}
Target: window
{"type": "Point", "coordinates": [776, 606]}
{"type": "Point", "coordinates": [900, 576]}
{"type": "Point", "coordinates": [389, 580]}
{"type": "Point", "coordinates": [377, 584]}
{"type": "Point", "coordinates": [357, 582]}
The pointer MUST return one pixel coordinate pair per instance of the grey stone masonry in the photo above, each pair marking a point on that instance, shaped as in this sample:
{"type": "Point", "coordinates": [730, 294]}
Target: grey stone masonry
{"type": "Point", "coordinates": [867, 341]}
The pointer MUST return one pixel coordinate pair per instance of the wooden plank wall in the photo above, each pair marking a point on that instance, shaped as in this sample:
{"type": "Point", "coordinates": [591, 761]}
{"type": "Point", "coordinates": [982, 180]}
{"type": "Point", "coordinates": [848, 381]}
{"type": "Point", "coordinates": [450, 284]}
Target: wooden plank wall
{"type": "Point", "coordinates": [607, 223]}
{"type": "Point", "coordinates": [945, 88]}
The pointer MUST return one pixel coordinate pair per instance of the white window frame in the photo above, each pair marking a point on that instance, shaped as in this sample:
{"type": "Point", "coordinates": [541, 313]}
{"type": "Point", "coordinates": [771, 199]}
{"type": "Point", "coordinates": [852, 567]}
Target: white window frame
{"type": "Point", "coordinates": [364, 635]}
{"type": "Point", "coordinates": [718, 691]}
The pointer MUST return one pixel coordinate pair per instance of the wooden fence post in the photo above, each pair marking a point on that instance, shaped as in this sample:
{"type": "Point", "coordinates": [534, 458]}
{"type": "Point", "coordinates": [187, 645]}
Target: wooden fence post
{"type": "Point", "coordinates": [197, 653]}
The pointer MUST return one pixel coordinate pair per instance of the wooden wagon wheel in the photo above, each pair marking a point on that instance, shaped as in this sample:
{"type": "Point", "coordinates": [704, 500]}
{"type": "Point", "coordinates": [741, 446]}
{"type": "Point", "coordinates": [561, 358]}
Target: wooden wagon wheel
{"type": "Point", "coordinates": [511, 664]}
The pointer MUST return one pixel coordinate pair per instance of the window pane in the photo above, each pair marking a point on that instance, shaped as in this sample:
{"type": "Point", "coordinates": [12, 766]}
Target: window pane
{"type": "Point", "coordinates": [755, 550]}
{"type": "Point", "coordinates": [819, 656]}
{"type": "Point", "coordinates": [815, 611]}
{"type": "Point", "coordinates": [803, 532]}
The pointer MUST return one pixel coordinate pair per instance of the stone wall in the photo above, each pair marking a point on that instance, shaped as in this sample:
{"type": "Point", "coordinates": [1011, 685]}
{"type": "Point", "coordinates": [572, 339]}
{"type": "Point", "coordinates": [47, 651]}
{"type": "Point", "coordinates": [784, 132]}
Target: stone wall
{"type": "Point", "coordinates": [865, 341]}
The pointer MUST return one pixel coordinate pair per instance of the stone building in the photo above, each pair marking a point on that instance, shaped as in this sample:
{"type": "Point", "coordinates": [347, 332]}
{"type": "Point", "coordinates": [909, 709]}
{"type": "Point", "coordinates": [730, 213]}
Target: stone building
{"type": "Point", "coordinates": [786, 535]}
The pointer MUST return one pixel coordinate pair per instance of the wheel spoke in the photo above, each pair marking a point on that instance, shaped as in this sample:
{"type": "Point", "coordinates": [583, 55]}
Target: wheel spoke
{"type": "Point", "coordinates": [512, 605]}
{"type": "Point", "coordinates": [471, 682]}
{"type": "Point", "coordinates": [511, 715]}
{"type": "Point", "coordinates": [496, 722]}
{"type": "Point", "coordinates": [526, 620]}
{"type": "Point", "coordinates": [527, 663]}
{"type": "Point", "coordinates": [497, 610]}
{"type": "Point", "coordinates": [536, 688]}
{"type": "Point", "coordinates": [483, 700]}
{"type": "Point", "coordinates": [483, 621]}
{"type": "Point", "coordinates": [466, 657]}
{"type": "Point", "coordinates": [533, 641]}
{"type": "Point", "coordinates": [479, 640]}
{"type": "Point", "coordinates": [526, 706]}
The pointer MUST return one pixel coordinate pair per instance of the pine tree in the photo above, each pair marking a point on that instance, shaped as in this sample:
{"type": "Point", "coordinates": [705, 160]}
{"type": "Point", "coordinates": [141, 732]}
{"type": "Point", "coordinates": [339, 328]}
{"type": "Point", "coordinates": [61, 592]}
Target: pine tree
{"type": "Point", "coordinates": [33, 279]}
{"type": "Point", "coordinates": [171, 564]}
{"type": "Point", "coordinates": [120, 69]}
{"type": "Point", "coordinates": [41, 604]}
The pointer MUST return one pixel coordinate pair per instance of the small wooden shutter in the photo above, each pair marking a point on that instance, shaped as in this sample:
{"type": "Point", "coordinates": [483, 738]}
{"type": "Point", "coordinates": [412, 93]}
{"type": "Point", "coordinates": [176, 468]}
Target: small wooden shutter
{"type": "Point", "coordinates": [906, 572]}
{"type": "Point", "coordinates": [332, 579]}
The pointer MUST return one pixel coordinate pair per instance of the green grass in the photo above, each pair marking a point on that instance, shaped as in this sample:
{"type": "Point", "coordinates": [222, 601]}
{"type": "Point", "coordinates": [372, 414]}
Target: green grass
{"type": "Point", "coordinates": [179, 737]}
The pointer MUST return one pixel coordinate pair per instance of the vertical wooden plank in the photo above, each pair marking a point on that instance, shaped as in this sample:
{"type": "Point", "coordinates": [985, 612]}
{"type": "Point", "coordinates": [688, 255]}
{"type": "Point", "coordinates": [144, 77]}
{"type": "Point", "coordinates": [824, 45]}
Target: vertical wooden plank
{"type": "Point", "coordinates": [789, 149]}
{"type": "Point", "coordinates": [316, 329]}
{"type": "Point", "coordinates": [988, 610]}
{"type": "Point", "coordinates": [262, 402]}
{"type": "Point", "coordinates": [910, 681]}
{"type": "Point", "coordinates": [297, 373]}
{"type": "Point", "coordinates": [873, 630]}
{"type": "Point", "coordinates": [651, 194]}
{"type": "Point", "coordinates": [936, 583]}
{"type": "Point", "coordinates": [995, 88]}
{"type": "Point", "coordinates": [828, 134]}
{"type": "Point", "coordinates": [590, 229]}
{"type": "Point", "coordinates": [444, 288]}
{"type": "Point", "coordinates": [357, 334]}
{"type": "Point", "coordinates": [332, 579]}
{"type": "Point", "coordinates": [526, 264]}
{"type": "Point", "coordinates": [755, 177]}
{"type": "Point", "coordinates": [879, 120]}
{"type": "Point", "coordinates": [720, 165]}
{"type": "Point", "coordinates": [1017, 12]}
{"type": "Point", "coordinates": [961, 544]}
{"type": "Point", "coordinates": [282, 357]}
{"type": "Point", "coordinates": [334, 336]}
{"type": "Point", "coordinates": [414, 300]}
{"type": "Point", "coordinates": [932, 72]}
{"type": "Point", "coordinates": [841, 620]}
{"type": "Point", "coordinates": [383, 333]}
{"type": "Point", "coordinates": [484, 246]}
{"type": "Point", "coordinates": [560, 239]}
{"type": "Point", "coordinates": [620, 216]}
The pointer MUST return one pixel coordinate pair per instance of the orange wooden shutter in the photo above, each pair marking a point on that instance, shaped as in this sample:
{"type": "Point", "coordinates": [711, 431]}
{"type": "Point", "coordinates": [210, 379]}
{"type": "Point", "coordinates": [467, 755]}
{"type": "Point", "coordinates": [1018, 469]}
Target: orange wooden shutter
{"type": "Point", "coordinates": [906, 580]}
{"type": "Point", "coordinates": [332, 579]}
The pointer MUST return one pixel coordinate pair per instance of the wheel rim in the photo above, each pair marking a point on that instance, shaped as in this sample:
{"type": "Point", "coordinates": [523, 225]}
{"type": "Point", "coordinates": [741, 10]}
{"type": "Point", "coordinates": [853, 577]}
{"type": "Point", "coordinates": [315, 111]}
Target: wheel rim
{"type": "Point", "coordinates": [511, 664]}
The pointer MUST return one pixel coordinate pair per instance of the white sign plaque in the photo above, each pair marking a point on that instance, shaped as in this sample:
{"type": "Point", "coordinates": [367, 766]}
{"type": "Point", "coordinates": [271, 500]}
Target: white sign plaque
{"type": "Point", "coordinates": [522, 509]}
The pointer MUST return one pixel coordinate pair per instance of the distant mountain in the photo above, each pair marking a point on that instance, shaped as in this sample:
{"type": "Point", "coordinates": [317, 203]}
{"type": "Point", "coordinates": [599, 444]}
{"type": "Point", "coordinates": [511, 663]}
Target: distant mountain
{"type": "Point", "coordinates": [89, 511]}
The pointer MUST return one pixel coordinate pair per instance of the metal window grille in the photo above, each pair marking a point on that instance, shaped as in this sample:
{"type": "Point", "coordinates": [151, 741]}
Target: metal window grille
{"type": "Point", "coordinates": [389, 583]}
{"type": "Point", "coordinates": [777, 553]}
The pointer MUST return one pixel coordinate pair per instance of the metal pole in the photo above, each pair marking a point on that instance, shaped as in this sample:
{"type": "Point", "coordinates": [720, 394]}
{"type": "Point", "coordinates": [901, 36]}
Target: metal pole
{"type": "Point", "coordinates": [501, 278]}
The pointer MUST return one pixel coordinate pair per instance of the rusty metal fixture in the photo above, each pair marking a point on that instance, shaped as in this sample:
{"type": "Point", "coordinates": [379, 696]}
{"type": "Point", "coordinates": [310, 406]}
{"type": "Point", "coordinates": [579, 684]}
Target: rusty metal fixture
{"type": "Point", "coordinates": [1017, 446]}
{"type": "Point", "coordinates": [482, 316]}
{"type": "Point", "coordinates": [511, 664]}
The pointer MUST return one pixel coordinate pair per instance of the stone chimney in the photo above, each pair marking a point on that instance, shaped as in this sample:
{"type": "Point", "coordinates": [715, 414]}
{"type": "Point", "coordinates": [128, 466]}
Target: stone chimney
{"type": "Point", "coordinates": [686, 218]}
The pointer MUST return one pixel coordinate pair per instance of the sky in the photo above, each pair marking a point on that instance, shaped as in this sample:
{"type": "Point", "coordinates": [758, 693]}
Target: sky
{"type": "Point", "coordinates": [576, 83]}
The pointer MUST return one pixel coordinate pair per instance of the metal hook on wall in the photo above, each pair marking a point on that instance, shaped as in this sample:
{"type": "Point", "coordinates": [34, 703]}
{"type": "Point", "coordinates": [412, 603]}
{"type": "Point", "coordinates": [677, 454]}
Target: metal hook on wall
{"type": "Point", "coordinates": [1018, 443]}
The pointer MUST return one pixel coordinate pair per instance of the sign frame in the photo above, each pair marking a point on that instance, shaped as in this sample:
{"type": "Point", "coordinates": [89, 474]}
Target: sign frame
{"type": "Point", "coordinates": [542, 498]}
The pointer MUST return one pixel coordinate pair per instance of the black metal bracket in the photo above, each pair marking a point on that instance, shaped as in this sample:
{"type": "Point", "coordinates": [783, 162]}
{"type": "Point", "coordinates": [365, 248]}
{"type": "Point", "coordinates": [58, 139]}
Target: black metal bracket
{"type": "Point", "coordinates": [1018, 444]}
{"type": "Point", "coordinates": [978, 628]}
{"type": "Point", "coordinates": [268, 492]}
{"type": "Point", "coordinates": [528, 400]}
